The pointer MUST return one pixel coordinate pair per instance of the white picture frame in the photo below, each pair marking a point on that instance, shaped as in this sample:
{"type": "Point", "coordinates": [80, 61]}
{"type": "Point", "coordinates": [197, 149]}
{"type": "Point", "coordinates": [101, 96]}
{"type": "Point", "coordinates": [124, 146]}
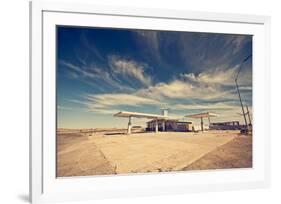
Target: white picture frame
{"type": "Point", "coordinates": [45, 187]}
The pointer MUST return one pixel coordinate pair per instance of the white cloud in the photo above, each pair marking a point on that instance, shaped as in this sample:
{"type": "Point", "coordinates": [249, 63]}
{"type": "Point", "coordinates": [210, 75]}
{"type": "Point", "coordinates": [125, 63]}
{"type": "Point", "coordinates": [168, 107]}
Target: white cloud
{"type": "Point", "coordinates": [225, 76]}
{"type": "Point", "coordinates": [108, 103]}
{"type": "Point", "coordinates": [222, 77]}
{"type": "Point", "coordinates": [130, 68]}
{"type": "Point", "coordinates": [95, 73]}
{"type": "Point", "coordinates": [89, 47]}
{"type": "Point", "coordinates": [179, 89]}
{"type": "Point", "coordinates": [206, 86]}
{"type": "Point", "coordinates": [203, 89]}
{"type": "Point", "coordinates": [77, 69]}
{"type": "Point", "coordinates": [149, 40]}
{"type": "Point", "coordinates": [236, 43]}
{"type": "Point", "coordinates": [120, 99]}
{"type": "Point", "coordinates": [209, 106]}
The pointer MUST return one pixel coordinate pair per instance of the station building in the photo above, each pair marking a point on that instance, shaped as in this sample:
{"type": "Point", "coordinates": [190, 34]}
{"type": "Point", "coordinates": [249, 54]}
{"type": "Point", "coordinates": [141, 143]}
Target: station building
{"type": "Point", "coordinates": [169, 125]}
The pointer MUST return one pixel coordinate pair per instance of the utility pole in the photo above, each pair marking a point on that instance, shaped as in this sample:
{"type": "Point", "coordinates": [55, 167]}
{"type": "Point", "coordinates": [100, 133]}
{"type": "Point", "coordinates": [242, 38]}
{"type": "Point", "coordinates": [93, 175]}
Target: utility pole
{"type": "Point", "coordinates": [242, 107]}
{"type": "Point", "coordinates": [249, 117]}
{"type": "Point", "coordinates": [250, 121]}
{"type": "Point", "coordinates": [245, 119]}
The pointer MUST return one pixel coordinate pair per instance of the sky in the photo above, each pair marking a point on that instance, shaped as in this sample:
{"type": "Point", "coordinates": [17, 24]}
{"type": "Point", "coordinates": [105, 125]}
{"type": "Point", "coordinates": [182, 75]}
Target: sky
{"type": "Point", "coordinates": [101, 71]}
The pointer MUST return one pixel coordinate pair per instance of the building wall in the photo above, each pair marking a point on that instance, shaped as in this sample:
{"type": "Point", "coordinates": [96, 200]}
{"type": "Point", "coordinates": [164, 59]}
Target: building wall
{"type": "Point", "coordinates": [170, 125]}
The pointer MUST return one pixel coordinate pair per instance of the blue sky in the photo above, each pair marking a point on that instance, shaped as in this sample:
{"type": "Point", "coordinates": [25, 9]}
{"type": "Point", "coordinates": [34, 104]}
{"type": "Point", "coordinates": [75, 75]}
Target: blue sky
{"type": "Point", "coordinates": [101, 71]}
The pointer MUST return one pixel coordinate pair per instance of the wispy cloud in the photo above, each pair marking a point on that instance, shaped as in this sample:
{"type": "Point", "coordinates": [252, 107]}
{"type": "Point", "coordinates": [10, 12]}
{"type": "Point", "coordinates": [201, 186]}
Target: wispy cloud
{"type": "Point", "coordinates": [206, 87]}
{"type": "Point", "coordinates": [90, 47]}
{"type": "Point", "coordinates": [221, 53]}
{"type": "Point", "coordinates": [150, 41]}
{"type": "Point", "coordinates": [94, 75]}
{"type": "Point", "coordinates": [218, 76]}
{"type": "Point", "coordinates": [179, 89]}
{"type": "Point", "coordinates": [130, 69]}
{"type": "Point", "coordinates": [120, 73]}
{"type": "Point", "coordinates": [110, 103]}
{"type": "Point", "coordinates": [209, 106]}
{"type": "Point", "coordinates": [120, 99]}
{"type": "Point", "coordinates": [77, 69]}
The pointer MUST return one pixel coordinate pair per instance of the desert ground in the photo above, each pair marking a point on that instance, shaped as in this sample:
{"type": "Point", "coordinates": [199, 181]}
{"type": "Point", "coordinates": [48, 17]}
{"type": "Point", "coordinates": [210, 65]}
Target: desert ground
{"type": "Point", "coordinates": [101, 151]}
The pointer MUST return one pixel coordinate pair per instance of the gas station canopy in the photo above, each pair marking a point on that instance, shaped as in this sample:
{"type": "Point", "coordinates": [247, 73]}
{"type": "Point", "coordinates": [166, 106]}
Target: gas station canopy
{"type": "Point", "coordinates": [130, 115]}
{"type": "Point", "coordinates": [202, 115]}
{"type": "Point", "coordinates": [127, 114]}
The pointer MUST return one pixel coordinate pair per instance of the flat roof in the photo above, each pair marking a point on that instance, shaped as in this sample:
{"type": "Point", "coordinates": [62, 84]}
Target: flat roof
{"type": "Point", "coordinates": [127, 114]}
{"type": "Point", "coordinates": [235, 121]}
{"type": "Point", "coordinates": [202, 115]}
{"type": "Point", "coordinates": [166, 119]}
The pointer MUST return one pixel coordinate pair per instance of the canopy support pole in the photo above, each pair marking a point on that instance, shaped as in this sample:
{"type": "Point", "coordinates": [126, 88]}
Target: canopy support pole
{"type": "Point", "coordinates": [156, 126]}
{"type": "Point", "coordinates": [129, 126]}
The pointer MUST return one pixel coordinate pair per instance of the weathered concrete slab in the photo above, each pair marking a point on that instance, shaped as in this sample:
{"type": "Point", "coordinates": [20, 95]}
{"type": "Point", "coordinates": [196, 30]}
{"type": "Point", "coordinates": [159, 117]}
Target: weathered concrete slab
{"type": "Point", "coordinates": [168, 151]}
{"type": "Point", "coordinates": [81, 157]}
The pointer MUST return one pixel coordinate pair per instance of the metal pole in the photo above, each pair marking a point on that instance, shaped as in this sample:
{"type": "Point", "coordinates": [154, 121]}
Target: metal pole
{"type": "Point", "coordinates": [241, 103]}
{"type": "Point", "coordinates": [209, 121]}
{"type": "Point", "coordinates": [250, 128]}
{"type": "Point", "coordinates": [250, 122]}
{"type": "Point", "coordinates": [239, 90]}
{"type": "Point", "coordinates": [202, 128]}
{"type": "Point", "coordinates": [129, 126]}
{"type": "Point", "coordinates": [163, 126]}
{"type": "Point", "coordinates": [156, 126]}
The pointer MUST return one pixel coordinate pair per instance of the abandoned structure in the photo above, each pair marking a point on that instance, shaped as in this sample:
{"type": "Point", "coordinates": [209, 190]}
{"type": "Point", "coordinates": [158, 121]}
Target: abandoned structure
{"type": "Point", "coordinates": [201, 116]}
{"type": "Point", "coordinates": [232, 125]}
{"type": "Point", "coordinates": [169, 125]}
{"type": "Point", "coordinates": [162, 122]}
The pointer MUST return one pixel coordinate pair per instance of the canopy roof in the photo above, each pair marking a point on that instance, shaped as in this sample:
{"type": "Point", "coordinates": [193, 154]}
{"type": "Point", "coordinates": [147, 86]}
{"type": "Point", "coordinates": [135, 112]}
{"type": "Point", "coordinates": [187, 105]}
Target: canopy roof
{"type": "Point", "coordinates": [202, 115]}
{"type": "Point", "coordinates": [126, 114]}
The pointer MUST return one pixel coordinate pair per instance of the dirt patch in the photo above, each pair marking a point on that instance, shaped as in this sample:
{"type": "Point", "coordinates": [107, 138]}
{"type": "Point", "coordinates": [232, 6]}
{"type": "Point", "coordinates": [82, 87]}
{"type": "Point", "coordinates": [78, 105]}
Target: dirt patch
{"type": "Point", "coordinates": [79, 156]}
{"type": "Point", "coordinates": [235, 154]}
